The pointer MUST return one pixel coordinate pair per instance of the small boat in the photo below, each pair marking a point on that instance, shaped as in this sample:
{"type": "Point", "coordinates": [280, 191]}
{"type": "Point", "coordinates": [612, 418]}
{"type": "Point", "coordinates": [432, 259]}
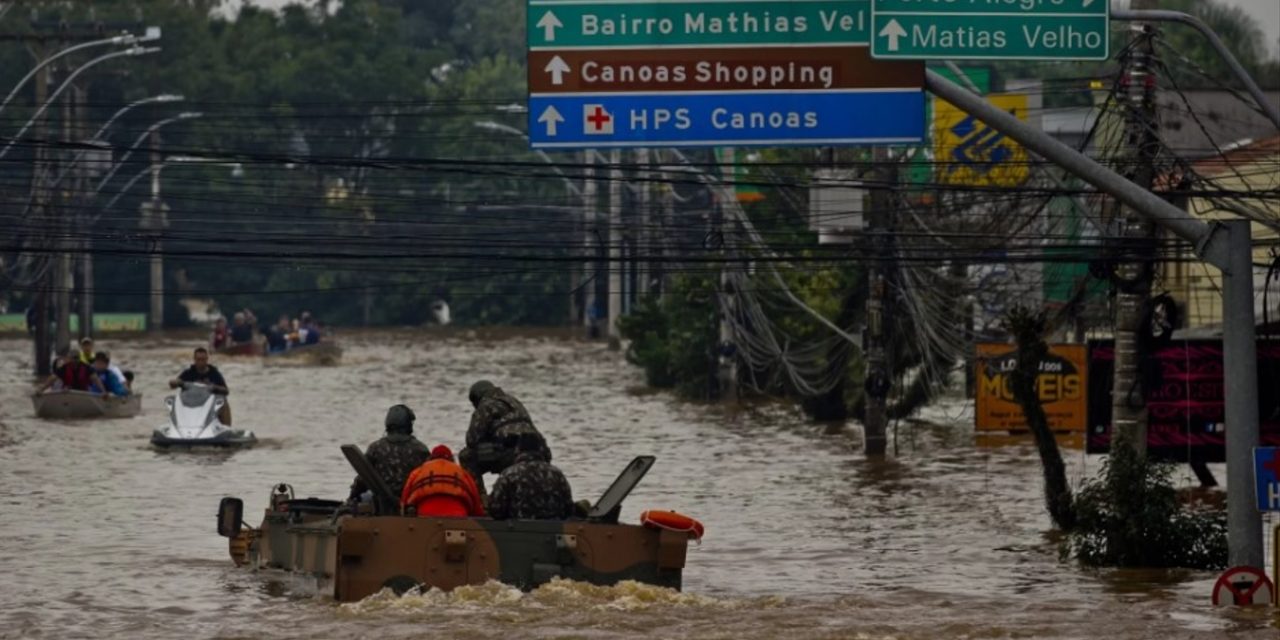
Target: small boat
{"type": "Point", "coordinates": [240, 349]}
{"type": "Point", "coordinates": [357, 550]}
{"type": "Point", "coordinates": [193, 422]}
{"type": "Point", "coordinates": [68, 405]}
{"type": "Point", "coordinates": [322, 353]}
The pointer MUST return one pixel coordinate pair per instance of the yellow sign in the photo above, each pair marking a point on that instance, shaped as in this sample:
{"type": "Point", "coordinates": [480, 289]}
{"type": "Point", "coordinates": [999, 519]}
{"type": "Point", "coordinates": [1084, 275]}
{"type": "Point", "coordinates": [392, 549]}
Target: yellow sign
{"type": "Point", "coordinates": [1062, 384]}
{"type": "Point", "coordinates": [968, 152]}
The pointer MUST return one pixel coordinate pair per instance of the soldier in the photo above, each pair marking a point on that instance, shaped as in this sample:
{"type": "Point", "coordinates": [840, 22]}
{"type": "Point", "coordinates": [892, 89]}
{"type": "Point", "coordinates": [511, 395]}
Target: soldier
{"type": "Point", "coordinates": [396, 454]}
{"type": "Point", "coordinates": [498, 419]}
{"type": "Point", "coordinates": [531, 488]}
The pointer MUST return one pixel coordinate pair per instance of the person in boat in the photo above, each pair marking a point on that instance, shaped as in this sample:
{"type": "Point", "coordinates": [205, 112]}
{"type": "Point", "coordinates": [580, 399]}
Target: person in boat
{"type": "Point", "coordinates": [86, 351]}
{"type": "Point", "coordinates": [201, 372]}
{"type": "Point", "coordinates": [309, 329]}
{"type": "Point", "coordinates": [242, 326]}
{"type": "Point", "coordinates": [278, 336]}
{"type": "Point", "coordinates": [221, 336]}
{"type": "Point", "coordinates": [531, 488]}
{"type": "Point", "coordinates": [69, 374]}
{"type": "Point", "coordinates": [295, 333]}
{"type": "Point", "coordinates": [497, 419]}
{"type": "Point", "coordinates": [395, 455]}
{"type": "Point", "coordinates": [112, 377]}
{"type": "Point", "coordinates": [441, 488]}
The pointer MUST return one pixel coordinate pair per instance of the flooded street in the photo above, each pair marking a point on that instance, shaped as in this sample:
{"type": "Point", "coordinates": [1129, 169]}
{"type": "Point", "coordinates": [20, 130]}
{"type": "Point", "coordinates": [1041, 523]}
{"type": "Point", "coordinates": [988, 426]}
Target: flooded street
{"type": "Point", "coordinates": [103, 537]}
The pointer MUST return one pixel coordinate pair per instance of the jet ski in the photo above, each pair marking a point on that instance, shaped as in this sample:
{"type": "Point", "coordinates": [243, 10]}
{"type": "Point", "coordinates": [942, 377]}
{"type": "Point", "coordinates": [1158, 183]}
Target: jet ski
{"type": "Point", "coordinates": [193, 422]}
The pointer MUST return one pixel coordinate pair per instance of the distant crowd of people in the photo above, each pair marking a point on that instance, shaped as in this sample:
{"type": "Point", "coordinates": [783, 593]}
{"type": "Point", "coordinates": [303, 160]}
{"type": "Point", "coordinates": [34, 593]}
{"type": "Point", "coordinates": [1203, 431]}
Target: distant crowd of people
{"type": "Point", "coordinates": [84, 369]}
{"type": "Point", "coordinates": [285, 334]}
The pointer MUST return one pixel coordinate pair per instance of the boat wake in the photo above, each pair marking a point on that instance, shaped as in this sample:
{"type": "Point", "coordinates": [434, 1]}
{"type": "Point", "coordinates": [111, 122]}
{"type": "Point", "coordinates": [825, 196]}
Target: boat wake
{"type": "Point", "coordinates": [627, 595]}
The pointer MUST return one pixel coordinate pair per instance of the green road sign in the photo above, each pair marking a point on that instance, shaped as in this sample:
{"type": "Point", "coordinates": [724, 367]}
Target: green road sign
{"type": "Point", "coordinates": [990, 29]}
{"type": "Point", "coordinates": [649, 24]}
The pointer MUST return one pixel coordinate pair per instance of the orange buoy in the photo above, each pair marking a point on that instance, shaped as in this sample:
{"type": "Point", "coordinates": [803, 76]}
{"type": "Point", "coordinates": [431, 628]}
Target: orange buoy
{"type": "Point", "coordinates": [672, 521]}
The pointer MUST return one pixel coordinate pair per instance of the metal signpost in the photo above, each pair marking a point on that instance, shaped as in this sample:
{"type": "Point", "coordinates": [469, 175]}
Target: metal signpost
{"type": "Point", "coordinates": [627, 73]}
{"type": "Point", "coordinates": [990, 29]}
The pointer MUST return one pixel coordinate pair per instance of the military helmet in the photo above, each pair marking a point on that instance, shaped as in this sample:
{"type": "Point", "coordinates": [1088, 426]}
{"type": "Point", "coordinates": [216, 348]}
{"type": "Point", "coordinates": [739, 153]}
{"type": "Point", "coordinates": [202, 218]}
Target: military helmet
{"type": "Point", "coordinates": [479, 390]}
{"type": "Point", "coordinates": [400, 418]}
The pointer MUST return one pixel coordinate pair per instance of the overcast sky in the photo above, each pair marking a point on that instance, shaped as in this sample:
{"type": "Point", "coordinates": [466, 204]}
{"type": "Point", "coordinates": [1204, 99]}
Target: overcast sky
{"type": "Point", "coordinates": [1266, 12]}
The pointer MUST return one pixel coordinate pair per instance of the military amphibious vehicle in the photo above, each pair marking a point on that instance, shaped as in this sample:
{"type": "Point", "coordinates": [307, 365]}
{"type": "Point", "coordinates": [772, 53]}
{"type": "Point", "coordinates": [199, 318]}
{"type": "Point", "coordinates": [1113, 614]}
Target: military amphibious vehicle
{"type": "Point", "coordinates": [361, 550]}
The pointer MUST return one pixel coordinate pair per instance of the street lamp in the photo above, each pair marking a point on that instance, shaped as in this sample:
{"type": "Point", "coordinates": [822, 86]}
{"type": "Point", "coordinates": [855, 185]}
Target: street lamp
{"type": "Point", "coordinates": [134, 51]}
{"type": "Point", "coordinates": [166, 97]}
{"type": "Point", "coordinates": [186, 115]}
{"type": "Point", "coordinates": [490, 125]}
{"type": "Point", "coordinates": [587, 196]}
{"type": "Point", "coordinates": [153, 33]}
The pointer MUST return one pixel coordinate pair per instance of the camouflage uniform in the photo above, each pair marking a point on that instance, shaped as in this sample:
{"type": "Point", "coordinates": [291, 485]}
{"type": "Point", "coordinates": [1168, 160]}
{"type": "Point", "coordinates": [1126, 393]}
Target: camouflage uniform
{"type": "Point", "coordinates": [531, 489]}
{"type": "Point", "coordinates": [393, 457]}
{"type": "Point", "coordinates": [498, 418]}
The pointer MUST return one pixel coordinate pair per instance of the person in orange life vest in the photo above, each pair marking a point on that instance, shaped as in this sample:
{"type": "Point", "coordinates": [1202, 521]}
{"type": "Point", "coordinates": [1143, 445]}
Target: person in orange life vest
{"type": "Point", "coordinates": [441, 488]}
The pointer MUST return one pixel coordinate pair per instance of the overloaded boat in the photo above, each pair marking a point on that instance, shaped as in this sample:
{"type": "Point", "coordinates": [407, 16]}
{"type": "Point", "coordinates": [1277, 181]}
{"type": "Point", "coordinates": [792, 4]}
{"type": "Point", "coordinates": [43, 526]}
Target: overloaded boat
{"type": "Point", "coordinates": [360, 550]}
{"type": "Point", "coordinates": [194, 422]}
{"type": "Point", "coordinates": [68, 405]}
{"type": "Point", "coordinates": [321, 353]}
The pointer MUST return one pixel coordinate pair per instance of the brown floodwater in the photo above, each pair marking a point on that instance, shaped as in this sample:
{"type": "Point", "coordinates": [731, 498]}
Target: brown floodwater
{"type": "Point", "coordinates": [100, 536]}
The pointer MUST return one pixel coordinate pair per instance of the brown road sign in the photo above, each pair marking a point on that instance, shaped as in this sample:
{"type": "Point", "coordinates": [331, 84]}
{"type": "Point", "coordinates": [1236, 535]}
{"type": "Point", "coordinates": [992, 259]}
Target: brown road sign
{"type": "Point", "coordinates": [729, 69]}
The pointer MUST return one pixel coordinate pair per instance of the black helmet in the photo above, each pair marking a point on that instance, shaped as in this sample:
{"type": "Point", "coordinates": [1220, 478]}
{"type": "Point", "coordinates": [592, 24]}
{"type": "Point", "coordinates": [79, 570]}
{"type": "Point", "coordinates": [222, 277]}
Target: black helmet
{"type": "Point", "coordinates": [479, 390]}
{"type": "Point", "coordinates": [400, 418]}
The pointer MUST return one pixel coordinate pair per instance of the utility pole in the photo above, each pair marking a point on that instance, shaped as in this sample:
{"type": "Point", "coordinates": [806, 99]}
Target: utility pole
{"type": "Point", "coordinates": [589, 244]}
{"type": "Point", "coordinates": [38, 184]}
{"type": "Point", "coordinates": [155, 219]}
{"type": "Point", "coordinates": [615, 248]}
{"type": "Point", "coordinates": [642, 244]}
{"type": "Point", "coordinates": [726, 360]}
{"type": "Point", "coordinates": [878, 381]}
{"type": "Point", "coordinates": [1128, 405]}
{"type": "Point", "coordinates": [576, 272]}
{"type": "Point", "coordinates": [86, 245]}
{"type": "Point", "coordinates": [63, 276]}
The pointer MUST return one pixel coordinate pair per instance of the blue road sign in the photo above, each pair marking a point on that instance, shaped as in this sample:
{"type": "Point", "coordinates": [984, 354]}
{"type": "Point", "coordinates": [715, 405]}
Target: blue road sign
{"type": "Point", "coordinates": [1266, 473]}
{"type": "Point", "coordinates": [795, 118]}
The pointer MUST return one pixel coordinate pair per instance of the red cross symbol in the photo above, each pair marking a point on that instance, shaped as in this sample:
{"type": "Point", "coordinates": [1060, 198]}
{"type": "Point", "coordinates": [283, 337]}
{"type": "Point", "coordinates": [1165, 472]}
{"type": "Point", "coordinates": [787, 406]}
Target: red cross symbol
{"type": "Point", "coordinates": [599, 118]}
{"type": "Point", "coordinates": [1274, 465]}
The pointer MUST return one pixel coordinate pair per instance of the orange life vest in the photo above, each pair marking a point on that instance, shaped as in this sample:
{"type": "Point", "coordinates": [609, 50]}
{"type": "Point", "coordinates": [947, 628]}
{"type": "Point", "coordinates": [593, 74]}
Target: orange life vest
{"type": "Point", "coordinates": [440, 478]}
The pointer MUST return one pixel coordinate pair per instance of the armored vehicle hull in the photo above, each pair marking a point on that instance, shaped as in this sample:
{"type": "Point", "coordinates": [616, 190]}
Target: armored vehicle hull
{"type": "Point", "coordinates": [360, 555]}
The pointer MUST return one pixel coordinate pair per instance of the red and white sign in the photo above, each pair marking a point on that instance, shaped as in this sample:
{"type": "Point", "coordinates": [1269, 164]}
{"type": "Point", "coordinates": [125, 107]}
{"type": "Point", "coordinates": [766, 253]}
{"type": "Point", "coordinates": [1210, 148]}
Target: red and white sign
{"type": "Point", "coordinates": [596, 121]}
{"type": "Point", "coordinates": [1242, 586]}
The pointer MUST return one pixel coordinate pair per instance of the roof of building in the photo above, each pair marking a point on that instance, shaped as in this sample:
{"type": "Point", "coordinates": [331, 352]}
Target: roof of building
{"type": "Point", "coordinates": [1237, 155]}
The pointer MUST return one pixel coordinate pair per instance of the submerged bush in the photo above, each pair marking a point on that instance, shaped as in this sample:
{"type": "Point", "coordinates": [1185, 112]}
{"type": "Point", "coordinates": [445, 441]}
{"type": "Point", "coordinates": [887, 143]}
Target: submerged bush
{"type": "Point", "coordinates": [1131, 517]}
{"type": "Point", "coordinates": [673, 337]}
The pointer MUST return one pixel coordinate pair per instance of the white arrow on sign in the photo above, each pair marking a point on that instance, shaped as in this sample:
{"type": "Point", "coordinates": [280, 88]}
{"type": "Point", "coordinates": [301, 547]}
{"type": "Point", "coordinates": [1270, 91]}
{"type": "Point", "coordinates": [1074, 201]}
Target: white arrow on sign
{"type": "Point", "coordinates": [557, 68]}
{"type": "Point", "coordinates": [549, 23]}
{"type": "Point", "coordinates": [1086, 4]}
{"type": "Point", "coordinates": [893, 31]}
{"type": "Point", "coordinates": [551, 118]}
